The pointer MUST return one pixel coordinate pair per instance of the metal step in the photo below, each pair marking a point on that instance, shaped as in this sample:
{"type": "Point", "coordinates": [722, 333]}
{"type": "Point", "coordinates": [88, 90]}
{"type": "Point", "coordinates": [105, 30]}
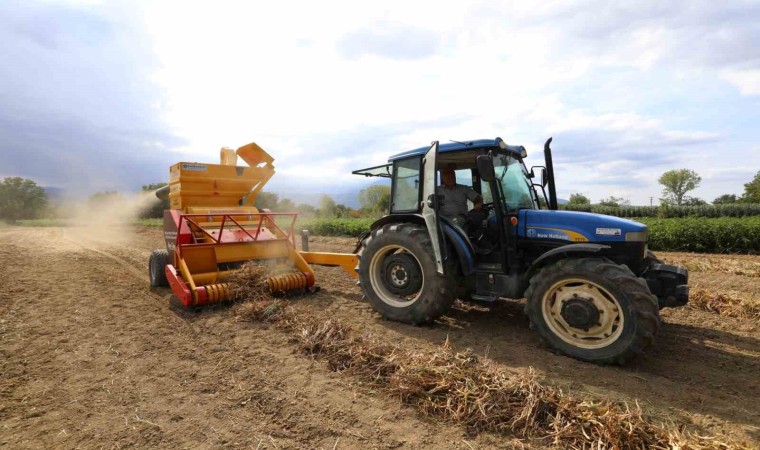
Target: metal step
{"type": "Point", "coordinates": [488, 267]}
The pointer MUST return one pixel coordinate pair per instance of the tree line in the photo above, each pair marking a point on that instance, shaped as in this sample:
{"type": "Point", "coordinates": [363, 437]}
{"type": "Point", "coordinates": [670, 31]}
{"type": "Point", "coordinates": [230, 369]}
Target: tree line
{"type": "Point", "coordinates": [374, 202]}
{"type": "Point", "coordinates": [22, 198]}
{"type": "Point", "coordinates": [676, 185]}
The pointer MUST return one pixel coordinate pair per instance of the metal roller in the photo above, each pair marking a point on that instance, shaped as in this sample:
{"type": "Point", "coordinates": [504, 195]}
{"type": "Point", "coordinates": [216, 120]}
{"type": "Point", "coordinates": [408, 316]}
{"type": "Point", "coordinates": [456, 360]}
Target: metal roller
{"type": "Point", "coordinates": [282, 284]}
{"type": "Point", "coordinates": [216, 293]}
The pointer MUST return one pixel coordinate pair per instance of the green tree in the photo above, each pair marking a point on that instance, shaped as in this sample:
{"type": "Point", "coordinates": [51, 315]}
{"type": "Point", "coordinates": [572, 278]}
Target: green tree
{"type": "Point", "coordinates": [342, 211]}
{"type": "Point", "coordinates": [676, 184]}
{"type": "Point", "coordinates": [327, 206]}
{"type": "Point", "coordinates": [614, 202]}
{"type": "Point", "coordinates": [156, 208]}
{"type": "Point", "coordinates": [286, 205]}
{"type": "Point", "coordinates": [267, 200]}
{"type": "Point", "coordinates": [693, 201]}
{"type": "Point", "coordinates": [375, 199]}
{"type": "Point", "coordinates": [21, 198]}
{"type": "Point", "coordinates": [578, 199]}
{"type": "Point", "coordinates": [752, 190]}
{"type": "Point", "coordinates": [726, 199]}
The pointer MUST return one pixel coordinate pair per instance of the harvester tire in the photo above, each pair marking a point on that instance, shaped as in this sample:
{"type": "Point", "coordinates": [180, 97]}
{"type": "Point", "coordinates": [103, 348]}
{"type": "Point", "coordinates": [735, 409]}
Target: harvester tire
{"type": "Point", "coordinates": [398, 274]}
{"type": "Point", "coordinates": [593, 310]}
{"type": "Point", "coordinates": [157, 268]}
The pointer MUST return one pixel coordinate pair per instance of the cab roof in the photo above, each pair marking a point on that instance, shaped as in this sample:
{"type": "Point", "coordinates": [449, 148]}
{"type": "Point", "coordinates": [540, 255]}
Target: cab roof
{"type": "Point", "coordinates": [497, 143]}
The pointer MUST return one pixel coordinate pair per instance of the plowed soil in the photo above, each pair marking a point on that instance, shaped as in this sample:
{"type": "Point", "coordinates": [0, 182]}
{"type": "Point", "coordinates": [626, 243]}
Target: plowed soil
{"type": "Point", "coordinates": [92, 357]}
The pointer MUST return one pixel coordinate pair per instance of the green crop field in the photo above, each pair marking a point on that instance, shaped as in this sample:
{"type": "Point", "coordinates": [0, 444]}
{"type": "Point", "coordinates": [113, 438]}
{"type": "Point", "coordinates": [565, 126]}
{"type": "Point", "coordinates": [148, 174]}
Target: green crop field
{"type": "Point", "coordinates": [691, 234]}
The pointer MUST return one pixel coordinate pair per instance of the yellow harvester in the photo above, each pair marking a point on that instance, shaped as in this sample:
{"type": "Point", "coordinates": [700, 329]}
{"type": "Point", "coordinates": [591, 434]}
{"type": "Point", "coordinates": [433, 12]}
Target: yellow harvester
{"type": "Point", "coordinates": [212, 227]}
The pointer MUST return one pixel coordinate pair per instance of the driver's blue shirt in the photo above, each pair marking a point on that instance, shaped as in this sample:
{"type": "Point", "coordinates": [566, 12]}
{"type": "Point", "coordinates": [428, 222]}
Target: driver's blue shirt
{"type": "Point", "coordinates": [455, 199]}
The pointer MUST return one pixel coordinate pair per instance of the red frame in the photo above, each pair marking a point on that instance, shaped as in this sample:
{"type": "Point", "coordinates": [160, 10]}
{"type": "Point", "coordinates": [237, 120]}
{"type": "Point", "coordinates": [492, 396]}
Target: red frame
{"type": "Point", "coordinates": [179, 287]}
{"type": "Point", "coordinates": [186, 219]}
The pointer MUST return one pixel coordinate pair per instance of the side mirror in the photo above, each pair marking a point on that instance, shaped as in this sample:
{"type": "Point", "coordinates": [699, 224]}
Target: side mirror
{"type": "Point", "coordinates": [485, 168]}
{"type": "Point", "coordinates": [542, 173]}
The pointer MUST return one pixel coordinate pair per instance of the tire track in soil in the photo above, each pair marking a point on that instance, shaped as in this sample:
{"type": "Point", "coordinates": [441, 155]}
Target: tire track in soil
{"type": "Point", "coordinates": [92, 358]}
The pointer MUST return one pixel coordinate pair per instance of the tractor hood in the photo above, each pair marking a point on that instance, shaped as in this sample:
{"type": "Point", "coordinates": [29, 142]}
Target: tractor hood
{"type": "Point", "coordinates": [575, 226]}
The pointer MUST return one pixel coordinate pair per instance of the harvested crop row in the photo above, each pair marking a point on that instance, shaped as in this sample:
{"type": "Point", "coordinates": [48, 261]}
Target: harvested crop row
{"type": "Point", "coordinates": [723, 304]}
{"type": "Point", "coordinates": [744, 265]}
{"type": "Point", "coordinates": [462, 388]}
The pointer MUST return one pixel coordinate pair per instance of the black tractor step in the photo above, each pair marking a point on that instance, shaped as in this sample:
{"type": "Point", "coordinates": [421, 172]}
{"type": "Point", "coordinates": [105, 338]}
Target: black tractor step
{"type": "Point", "coordinates": [488, 267]}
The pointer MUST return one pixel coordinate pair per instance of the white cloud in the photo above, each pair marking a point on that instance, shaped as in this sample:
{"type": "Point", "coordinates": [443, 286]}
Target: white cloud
{"type": "Point", "coordinates": [748, 81]}
{"type": "Point", "coordinates": [628, 89]}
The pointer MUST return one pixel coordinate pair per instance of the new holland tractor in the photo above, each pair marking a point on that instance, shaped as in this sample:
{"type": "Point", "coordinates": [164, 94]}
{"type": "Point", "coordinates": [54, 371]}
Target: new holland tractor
{"type": "Point", "coordinates": [593, 290]}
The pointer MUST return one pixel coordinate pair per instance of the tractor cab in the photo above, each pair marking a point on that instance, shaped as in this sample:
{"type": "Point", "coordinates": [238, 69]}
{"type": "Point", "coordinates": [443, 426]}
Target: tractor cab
{"type": "Point", "coordinates": [479, 242]}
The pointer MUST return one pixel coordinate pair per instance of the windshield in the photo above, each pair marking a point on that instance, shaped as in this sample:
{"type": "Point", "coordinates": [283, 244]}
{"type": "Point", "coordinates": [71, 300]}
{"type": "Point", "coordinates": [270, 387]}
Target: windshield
{"type": "Point", "coordinates": [511, 174]}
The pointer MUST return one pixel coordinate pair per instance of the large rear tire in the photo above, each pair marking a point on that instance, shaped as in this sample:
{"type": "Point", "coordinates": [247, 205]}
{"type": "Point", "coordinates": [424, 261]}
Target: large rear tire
{"type": "Point", "coordinates": [398, 274]}
{"type": "Point", "coordinates": [157, 268]}
{"type": "Point", "coordinates": [593, 309]}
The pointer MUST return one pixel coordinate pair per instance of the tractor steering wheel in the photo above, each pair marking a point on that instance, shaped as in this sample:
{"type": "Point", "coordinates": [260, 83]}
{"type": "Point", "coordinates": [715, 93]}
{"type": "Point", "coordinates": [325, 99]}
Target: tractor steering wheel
{"type": "Point", "coordinates": [487, 207]}
{"type": "Point", "coordinates": [480, 214]}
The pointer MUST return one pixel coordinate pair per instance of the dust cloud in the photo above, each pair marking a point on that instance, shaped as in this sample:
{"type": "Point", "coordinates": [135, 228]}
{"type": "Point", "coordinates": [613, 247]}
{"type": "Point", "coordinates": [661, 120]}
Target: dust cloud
{"type": "Point", "coordinates": [109, 219]}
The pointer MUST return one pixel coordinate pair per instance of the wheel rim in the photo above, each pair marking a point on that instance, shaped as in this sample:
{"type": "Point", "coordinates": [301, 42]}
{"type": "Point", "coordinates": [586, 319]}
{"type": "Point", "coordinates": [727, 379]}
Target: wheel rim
{"type": "Point", "coordinates": [389, 280]}
{"type": "Point", "coordinates": [582, 313]}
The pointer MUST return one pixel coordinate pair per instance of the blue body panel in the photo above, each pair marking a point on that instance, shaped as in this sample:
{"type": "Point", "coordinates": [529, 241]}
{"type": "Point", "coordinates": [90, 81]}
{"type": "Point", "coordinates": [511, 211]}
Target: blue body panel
{"type": "Point", "coordinates": [574, 226]}
{"type": "Point", "coordinates": [459, 146]}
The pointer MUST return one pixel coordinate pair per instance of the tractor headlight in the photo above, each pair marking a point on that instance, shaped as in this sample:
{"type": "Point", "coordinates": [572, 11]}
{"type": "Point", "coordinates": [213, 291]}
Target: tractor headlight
{"type": "Point", "coordinates": [636, 236]}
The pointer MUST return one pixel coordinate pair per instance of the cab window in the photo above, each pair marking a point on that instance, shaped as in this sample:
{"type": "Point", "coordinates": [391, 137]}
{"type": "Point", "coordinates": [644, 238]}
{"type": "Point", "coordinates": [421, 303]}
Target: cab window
{"type": "Point", "coordinates": [406, 185]}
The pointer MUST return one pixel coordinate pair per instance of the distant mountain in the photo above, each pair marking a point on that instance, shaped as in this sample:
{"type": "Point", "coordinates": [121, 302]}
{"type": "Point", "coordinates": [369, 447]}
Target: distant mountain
{"type": "Point", "coordinates": [348, 198]}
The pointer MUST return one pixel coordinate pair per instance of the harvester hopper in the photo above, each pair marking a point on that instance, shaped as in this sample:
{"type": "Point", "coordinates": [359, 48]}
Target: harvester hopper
{"type": "Point", "coordinates": [212, 228]}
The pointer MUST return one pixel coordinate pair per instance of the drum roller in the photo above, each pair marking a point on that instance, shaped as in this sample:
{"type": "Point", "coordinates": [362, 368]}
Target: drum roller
{"type": "Point", "coordinates": [283, 284]}
{"type": "Point", "coordinates": [277, 285]}
{"type": "Point", "coordinates": [217, 293]}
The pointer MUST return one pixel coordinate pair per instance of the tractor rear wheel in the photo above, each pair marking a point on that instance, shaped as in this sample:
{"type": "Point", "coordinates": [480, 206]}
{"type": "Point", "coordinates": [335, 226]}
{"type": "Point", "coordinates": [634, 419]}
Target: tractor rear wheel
{"type": "Point", "coordinates": [593, 309]}
{"type": "Point", "coordinates": [157, 268]}
{"type": "Point", "coordinates": [398, 274]}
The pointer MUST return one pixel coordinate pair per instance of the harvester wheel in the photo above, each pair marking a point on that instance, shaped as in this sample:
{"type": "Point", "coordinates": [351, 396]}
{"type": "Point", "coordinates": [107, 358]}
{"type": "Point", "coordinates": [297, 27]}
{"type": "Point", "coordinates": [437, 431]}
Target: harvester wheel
{"type": "Point", "coordinates": [593, 309]}
{"type": "Point", "coordinates": [398, 273]}
{"type": "Point", "coordinates": [156, 268]}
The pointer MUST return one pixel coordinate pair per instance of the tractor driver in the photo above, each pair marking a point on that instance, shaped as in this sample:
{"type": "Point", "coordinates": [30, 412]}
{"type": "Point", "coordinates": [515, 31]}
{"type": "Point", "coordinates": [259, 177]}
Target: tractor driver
{"type": "Point", "coordinates": [455, 197]}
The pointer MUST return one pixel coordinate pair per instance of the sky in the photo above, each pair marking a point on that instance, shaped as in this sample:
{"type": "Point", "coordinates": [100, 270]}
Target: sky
{"type": "Point", "coordinates": [107, 95]}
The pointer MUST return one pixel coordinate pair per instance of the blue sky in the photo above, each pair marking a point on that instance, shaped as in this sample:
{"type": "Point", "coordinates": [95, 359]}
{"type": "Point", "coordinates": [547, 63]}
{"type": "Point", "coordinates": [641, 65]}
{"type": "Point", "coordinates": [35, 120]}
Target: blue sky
{"type": "Point", "coordinates": [106, 95]}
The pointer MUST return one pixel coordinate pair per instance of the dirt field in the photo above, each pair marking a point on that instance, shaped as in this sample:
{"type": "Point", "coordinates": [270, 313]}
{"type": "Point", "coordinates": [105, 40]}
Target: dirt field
{"type": "Point", "coordinates": [91, 357]}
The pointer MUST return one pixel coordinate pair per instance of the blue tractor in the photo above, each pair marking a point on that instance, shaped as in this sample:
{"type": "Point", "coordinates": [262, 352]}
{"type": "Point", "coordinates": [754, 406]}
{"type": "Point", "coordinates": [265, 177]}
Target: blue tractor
{"type": "Point", "coordinates": [593, 290]}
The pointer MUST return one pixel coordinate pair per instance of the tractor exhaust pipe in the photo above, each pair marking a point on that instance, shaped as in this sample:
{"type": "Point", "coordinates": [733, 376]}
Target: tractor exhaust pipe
{"type": "Point", "coordinates": [550, 175]}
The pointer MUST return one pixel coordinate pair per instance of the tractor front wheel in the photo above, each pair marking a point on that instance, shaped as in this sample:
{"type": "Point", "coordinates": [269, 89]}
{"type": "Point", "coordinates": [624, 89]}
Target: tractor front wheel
{"type": "Point", "coordinates": [398, 274]}
{"type": "Point", "coordinates": [593, 309]}
{"type": "Point", "coordinates": [157, 268]}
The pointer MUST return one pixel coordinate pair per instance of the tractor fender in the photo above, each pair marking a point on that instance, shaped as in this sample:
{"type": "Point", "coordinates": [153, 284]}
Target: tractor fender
{"type": "Point", "coordinates": [391, 218]}
{"type": "Point", "coordinates": [458, 239]}
{"type": "Point", "coordinates": [454, 235]}
{"type": "Point", "coordinates": [397, 218]}
{"type": "Point", "coordinates": [564, 251]}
